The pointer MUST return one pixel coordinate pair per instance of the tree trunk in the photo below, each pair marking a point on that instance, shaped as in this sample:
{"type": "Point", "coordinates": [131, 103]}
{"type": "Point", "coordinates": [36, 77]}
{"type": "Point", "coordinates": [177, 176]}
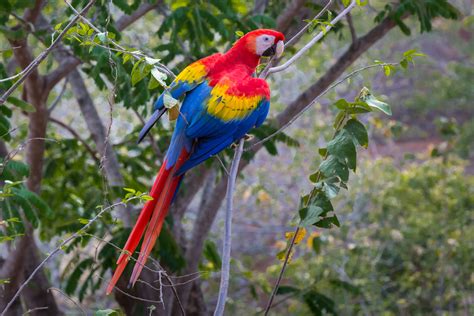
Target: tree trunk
{"type": "Point", "coordinates": [36, 294]}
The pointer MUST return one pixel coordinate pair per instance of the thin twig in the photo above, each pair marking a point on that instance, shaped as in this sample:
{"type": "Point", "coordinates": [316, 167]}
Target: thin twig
{"type": "Point", "coordinates": [306, 27]}
{"type": "Point", "coordinates": [59, 248]}
{"type": "Point", "coordinates": [313, 41]}
{"type": "Point", "coordinates": [280, 276]}
{"type": "Point", "coordinates": [222, 164]}
{"type": "Point", "coordinates": [132, 296]}
{"type": "Point", "coordinates": [161, 270]}
{"type": "Point", "coordinates": [35, 63]}
{"type": "Point", "coordinates": [59, 97]}
{"type": "Point", "coordinates": [78, 137]}
{"type": "Point", "coordinates": [224, 285]}
{"type": "Point", "coordinates": [69, 298]}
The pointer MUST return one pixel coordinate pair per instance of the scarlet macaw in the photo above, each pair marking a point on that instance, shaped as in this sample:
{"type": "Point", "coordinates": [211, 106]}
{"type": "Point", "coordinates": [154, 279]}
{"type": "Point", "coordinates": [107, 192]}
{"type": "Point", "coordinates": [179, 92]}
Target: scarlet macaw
{"type": "Point", "coordinates": [222, 102]}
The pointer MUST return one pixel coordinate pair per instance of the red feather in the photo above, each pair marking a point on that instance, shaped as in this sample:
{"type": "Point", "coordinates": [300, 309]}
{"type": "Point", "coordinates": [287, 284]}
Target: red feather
{"type": "Point", "coordinates": [162, 192]}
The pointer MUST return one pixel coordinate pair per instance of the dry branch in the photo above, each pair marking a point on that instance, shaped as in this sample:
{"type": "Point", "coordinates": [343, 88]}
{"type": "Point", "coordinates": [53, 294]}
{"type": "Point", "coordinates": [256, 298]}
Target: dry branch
{"type": "Point", "coordinates": [225, 270]}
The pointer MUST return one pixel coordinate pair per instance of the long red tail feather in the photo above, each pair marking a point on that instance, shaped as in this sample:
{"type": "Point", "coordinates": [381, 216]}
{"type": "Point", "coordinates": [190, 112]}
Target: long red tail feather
{"type": "Point", "coordinates": [162, 192]}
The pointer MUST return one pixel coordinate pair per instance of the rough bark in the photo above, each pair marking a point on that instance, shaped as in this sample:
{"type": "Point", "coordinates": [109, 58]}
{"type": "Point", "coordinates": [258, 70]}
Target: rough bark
{"type": "Point", "coordinates": [36, 294]}
{"type": "Point", "coordinates": [12, 269]}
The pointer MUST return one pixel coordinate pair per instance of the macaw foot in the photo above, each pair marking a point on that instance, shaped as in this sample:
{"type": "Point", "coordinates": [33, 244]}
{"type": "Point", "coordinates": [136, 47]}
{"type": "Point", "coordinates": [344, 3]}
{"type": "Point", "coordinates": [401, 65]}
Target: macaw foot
{"type": "Point", "coordinates": [246, 137]}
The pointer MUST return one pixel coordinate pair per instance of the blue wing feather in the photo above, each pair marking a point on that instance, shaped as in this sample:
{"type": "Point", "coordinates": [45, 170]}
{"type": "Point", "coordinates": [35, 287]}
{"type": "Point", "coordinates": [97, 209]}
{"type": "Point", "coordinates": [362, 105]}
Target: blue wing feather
{"type": "Point", "coordinates": [203, 134]}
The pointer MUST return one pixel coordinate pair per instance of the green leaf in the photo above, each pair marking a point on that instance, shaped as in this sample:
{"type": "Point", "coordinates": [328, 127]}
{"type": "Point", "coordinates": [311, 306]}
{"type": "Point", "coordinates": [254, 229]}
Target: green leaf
{"type": "Point", "coordinates": [341, 104]}
{"type": "Point", "coordinates": [319, 304]}
{"type": "Point", "coordinates": [334, 167]}
{"type": "Point", "coordinates": [106, 312]}
{"type": "Point", "coordinates": [358, 132]}
{"type": "Point", "coordinates": [404, 63]}
{"type": "Point", "coordinates": [287, 289]}
{"type": "Point", "coordinates": [102, 37]}
{"type": "Point", "coordinates": [342, 147]}
{"type": "Point", "coordinates": [310, 215]}
{"type": "Point", "coordinates": [76, 274]}
{"type": "Point", "coordinates": [327, 222]}
{"type": "Point", "coordinates": [330, 189]}
{"type": "Point", "coordinates": [25, 106]}
{"type": "Point", "coordinates": [169, 101]}
{"type": "Point", "coordinates": [323, 152]}
{"type": "Point", "coordinates": [151, 61]}
{"type": "Point", "coordinates": [315, 176]}
{"type": "Point", "coordinates": [159, 76]}
{"type": "Point", "coordinates": [368, 98]}
{"type": "Point", "coordinates": [130, 190]}
{"type": "Point", "coordinates": [320, 199]}
{"type": "Point", "coordinates": [211, 254]}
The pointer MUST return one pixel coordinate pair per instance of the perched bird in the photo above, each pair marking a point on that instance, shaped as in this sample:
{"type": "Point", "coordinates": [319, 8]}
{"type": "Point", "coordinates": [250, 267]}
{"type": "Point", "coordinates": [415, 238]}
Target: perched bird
{"type": "Point", "coordinates": [222, 101]}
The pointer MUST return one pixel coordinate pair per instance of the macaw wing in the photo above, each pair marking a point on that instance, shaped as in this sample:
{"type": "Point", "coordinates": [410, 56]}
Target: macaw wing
{"type": "Point", "coordinates": [191, 76]}
{"type": "Point", "coordinates": [188, 79]}
{"type": "Point", "coordinates": [223, 118]}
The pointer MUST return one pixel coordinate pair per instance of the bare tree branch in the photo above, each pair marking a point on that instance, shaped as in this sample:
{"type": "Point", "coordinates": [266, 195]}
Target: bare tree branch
{"type": "Point", "coordinates": [227, 242]}
{"type": "Point", "coordinates": [351, 27]}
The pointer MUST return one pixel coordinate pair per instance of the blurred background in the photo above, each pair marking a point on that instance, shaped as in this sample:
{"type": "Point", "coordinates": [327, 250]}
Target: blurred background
{"type": "Point", "coordinates": [68, 146]}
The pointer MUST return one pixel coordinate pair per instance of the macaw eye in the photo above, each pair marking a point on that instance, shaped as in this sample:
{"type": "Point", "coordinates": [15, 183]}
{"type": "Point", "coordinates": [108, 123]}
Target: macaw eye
{"type": "Point", "coordinates": [266, 39]}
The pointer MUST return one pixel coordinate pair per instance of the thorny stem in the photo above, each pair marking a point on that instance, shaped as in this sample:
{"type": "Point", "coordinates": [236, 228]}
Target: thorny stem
{"type": "Point", "coordinates": [224, 286]}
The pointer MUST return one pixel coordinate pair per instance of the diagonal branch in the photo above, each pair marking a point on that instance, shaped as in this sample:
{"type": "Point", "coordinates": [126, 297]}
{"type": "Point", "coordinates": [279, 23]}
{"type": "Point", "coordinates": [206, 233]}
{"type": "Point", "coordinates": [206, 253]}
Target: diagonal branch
{"type": "Point", "coordinates": [225, 270]}
{"type": "Point", "coordinates": [35, 63]}
{"type": "Point", "coordinates": [126, 20]}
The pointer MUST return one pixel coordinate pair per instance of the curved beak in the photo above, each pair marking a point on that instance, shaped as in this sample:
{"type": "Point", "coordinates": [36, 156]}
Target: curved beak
{"type": "Point", "coordinates": [280, 47]}
{"type": "Point", "coordinates": [275, 49]}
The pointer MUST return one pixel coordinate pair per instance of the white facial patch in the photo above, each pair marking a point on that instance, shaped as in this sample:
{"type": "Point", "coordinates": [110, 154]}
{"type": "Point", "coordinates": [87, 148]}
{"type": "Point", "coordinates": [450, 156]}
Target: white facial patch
{"type": "Point", "coordinates": [263, 43]}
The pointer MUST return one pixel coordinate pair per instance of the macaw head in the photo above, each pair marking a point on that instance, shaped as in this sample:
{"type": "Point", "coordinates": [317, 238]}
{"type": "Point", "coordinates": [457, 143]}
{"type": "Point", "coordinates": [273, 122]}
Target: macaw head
{"type": "Point", "coordinates": [263, 42]}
